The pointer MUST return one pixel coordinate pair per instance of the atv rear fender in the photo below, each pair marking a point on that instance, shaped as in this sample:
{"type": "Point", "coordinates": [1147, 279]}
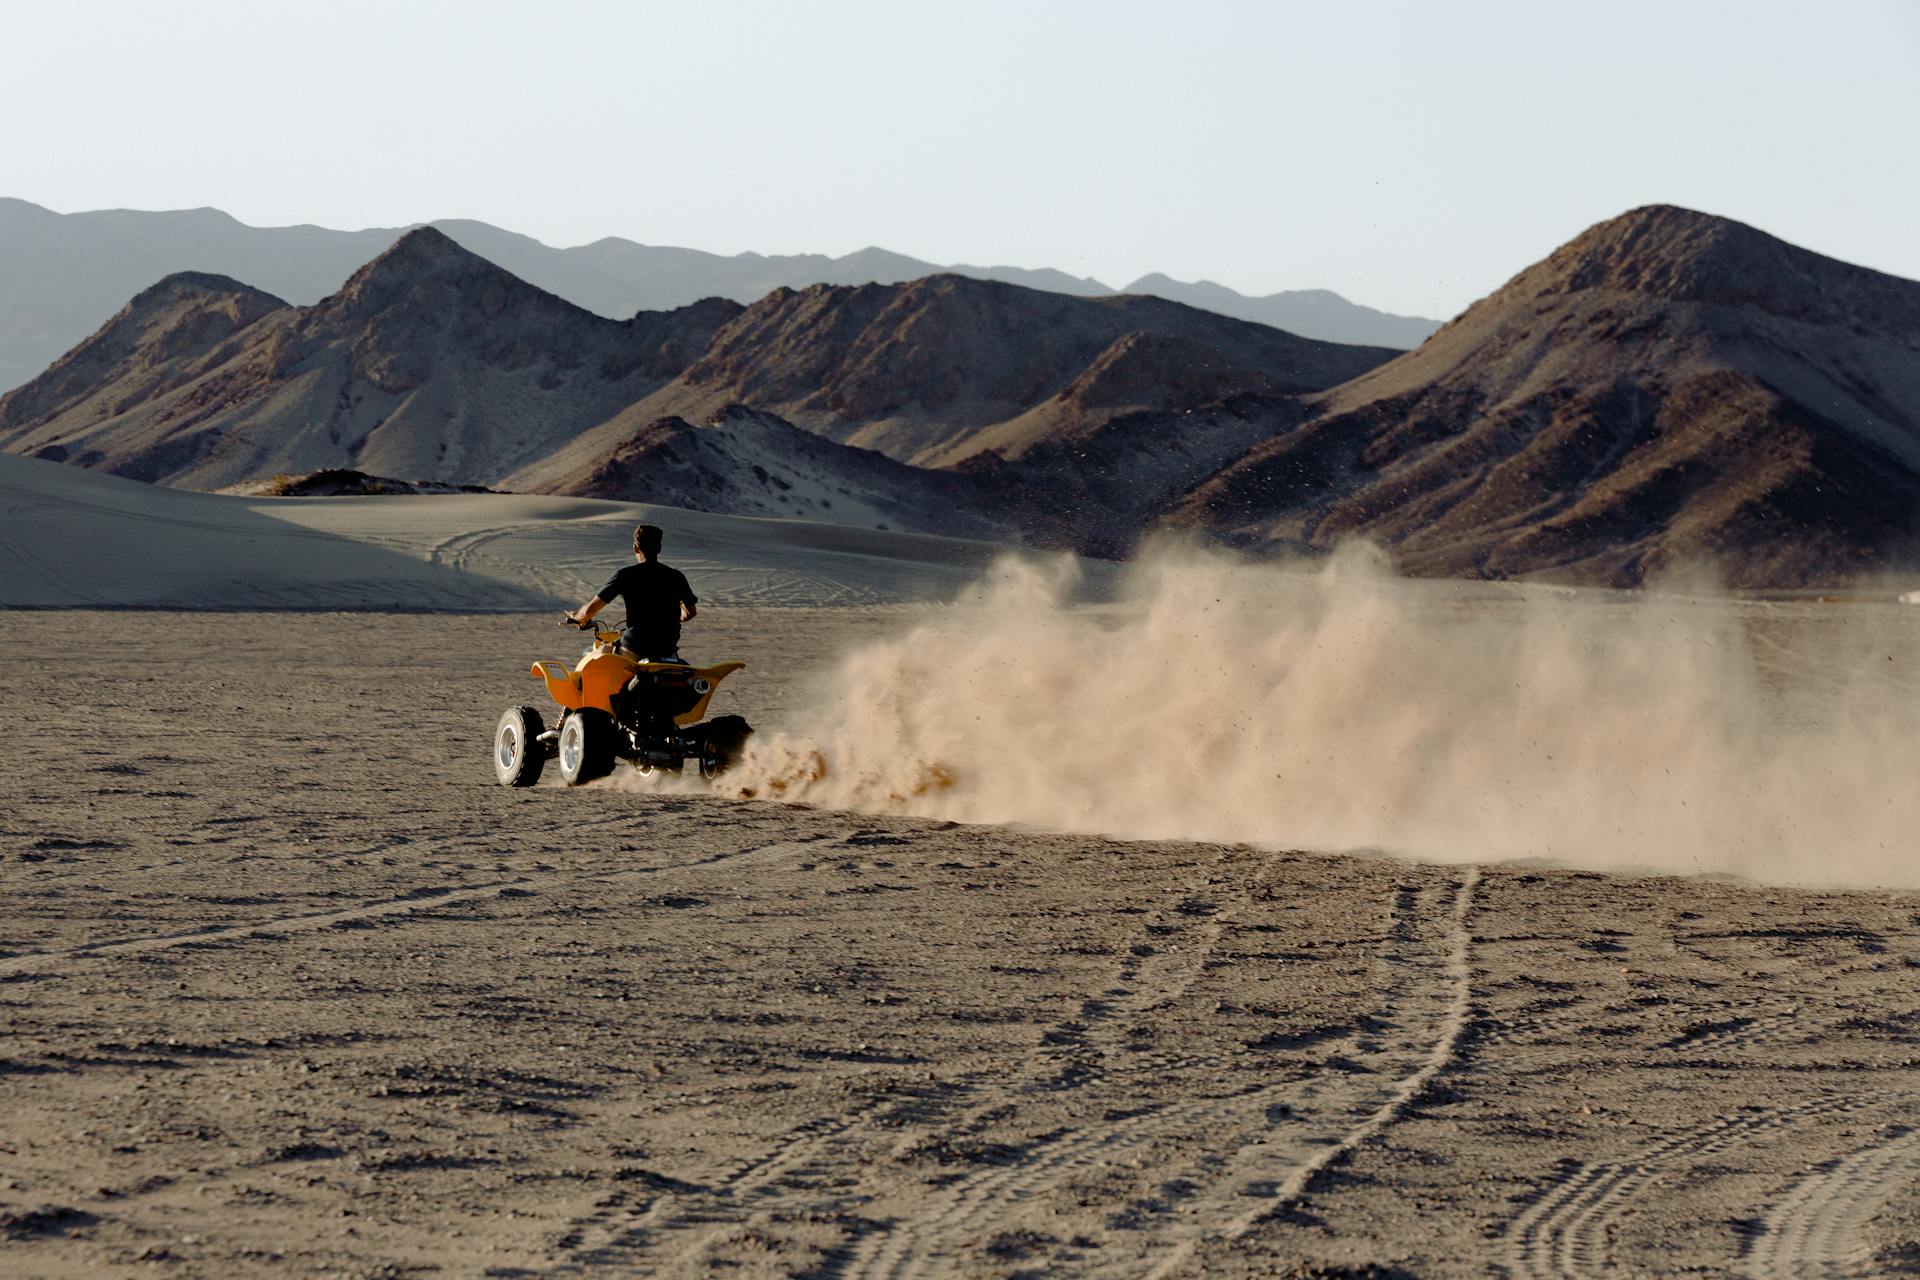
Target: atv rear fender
{"type": "Point", "coordinates": [601, 675]}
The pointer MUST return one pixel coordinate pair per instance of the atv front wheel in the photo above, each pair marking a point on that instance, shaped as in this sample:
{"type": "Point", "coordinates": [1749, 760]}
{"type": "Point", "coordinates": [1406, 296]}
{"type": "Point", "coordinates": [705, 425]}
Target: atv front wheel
{"type": "Point", "coordinates": [721, 742]}
{"type": "Point", "coordinates": [518, 753]}
{"type": "Point", "coordinates": [586, 746]}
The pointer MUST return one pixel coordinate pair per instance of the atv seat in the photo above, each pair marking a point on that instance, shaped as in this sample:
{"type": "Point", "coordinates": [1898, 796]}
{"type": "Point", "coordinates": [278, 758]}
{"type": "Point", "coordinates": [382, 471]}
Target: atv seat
{"type": "Point", "coordinates": [626, 649]}
{"type": "Point", "coordinates": [671, 660]}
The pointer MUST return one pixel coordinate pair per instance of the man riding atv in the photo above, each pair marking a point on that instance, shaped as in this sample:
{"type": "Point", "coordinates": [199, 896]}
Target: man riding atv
{"type": "Point", "coordinates": [630, 696]}
{"type": "Point", "coordinates": [658, 600]}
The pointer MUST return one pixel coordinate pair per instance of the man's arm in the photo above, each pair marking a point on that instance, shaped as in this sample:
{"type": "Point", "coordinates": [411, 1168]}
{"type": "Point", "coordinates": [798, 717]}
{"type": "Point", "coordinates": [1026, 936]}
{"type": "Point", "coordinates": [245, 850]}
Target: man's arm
{"type": "Point", "coordinates": [583, 616]}
{"type": "Point", "coordinates": [688, 601]}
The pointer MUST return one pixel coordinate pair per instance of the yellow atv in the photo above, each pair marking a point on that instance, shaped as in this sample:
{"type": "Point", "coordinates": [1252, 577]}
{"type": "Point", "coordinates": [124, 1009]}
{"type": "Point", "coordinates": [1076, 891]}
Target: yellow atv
{"type": "Point", "coordinates": [616, 707]}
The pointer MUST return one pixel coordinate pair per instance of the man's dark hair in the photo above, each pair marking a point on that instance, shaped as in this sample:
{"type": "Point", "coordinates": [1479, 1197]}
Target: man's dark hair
{"type": "Point", "coordinates": [646, 540]}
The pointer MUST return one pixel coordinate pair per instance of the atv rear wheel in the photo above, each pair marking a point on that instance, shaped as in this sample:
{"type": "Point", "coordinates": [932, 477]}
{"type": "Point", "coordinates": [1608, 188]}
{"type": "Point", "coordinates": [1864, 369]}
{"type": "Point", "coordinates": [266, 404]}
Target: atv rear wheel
{"type": "Point", "coordinates": [518, 753]}
{"type": "Point", "coordinates": [586, 746]}
{"type": "Point", "coordinates": [721, 742]}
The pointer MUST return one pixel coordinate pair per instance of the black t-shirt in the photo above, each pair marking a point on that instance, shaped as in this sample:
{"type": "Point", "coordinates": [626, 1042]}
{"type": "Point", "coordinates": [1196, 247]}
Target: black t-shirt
{"type": "Point", "coordinates": [653, 593]}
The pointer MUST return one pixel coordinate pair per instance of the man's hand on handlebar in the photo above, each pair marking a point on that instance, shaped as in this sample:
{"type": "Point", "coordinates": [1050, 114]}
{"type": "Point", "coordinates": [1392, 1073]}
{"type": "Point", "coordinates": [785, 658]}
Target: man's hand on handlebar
{"type": "Point", "coordinates": [583, 616]}
{"type": "Point", "coordinates": [575, 621]}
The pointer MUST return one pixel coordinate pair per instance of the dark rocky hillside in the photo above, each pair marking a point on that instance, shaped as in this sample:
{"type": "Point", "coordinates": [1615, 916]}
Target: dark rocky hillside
{"type": "Point", "coordinates": [430, 363]}
{"type": "Point", "coordinates": [933, 370]}
{"type": "Point", "coordinates": [1668, 388]}
{"type": "Point", "coordinates": [747, 462]}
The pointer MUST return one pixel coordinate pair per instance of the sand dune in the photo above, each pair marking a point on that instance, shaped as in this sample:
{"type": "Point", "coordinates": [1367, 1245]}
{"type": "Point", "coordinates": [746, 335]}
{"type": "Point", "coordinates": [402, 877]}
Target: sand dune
{"type": "Point", "coordinates": [74, 538]}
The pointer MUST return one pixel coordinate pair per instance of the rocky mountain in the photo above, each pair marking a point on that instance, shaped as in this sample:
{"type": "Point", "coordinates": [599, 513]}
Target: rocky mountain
{"type": "Point", "coordinates": [1097, 490]}
{"type": "Point", "coordinates": [1092, 490]}
{"type": "Point", "coordinates": [1667, 387]}
{"type": "Point", "coordinates": [1138, 372]}
{"type": "Point", "coordinates": [1316, 313]}
{"type": "Point", "coordinates": [155, 344]}
{"type": "Point", "coordinates": [747, 462]}
{"type": "Point", "coordinates": [66, 274]}
{"type": "Point", "coordinates": [430, 363]}
{"type": "Point", "coordinates": [922, 371]}
{"type": "Point", "coordinates": [436, 365]}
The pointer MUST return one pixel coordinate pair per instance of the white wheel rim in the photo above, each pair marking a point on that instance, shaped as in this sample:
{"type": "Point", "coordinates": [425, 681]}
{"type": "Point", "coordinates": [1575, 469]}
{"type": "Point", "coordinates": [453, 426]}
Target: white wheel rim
{"type": "Point", "coordinates": [570, 746]}
{"type": "Point", "coordinates": [507, 750]}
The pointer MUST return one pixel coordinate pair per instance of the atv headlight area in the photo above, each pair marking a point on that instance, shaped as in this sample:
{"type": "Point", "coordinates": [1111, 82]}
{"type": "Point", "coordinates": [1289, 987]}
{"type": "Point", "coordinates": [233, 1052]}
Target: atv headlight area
{"type": "Point", "coordinates": [702, 685]}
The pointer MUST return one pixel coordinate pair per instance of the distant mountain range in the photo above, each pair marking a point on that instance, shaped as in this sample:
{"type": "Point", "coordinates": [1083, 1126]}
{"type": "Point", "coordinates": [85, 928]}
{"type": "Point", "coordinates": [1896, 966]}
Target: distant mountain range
{"type": "Point", "coordinates": [434, 366]}
{"type": "Point", "coordinates": [1312, 313]}
{"type": "Point", "coordinates": [1667, 387]}
{"type": "Point", "coordinates": [65, 274]}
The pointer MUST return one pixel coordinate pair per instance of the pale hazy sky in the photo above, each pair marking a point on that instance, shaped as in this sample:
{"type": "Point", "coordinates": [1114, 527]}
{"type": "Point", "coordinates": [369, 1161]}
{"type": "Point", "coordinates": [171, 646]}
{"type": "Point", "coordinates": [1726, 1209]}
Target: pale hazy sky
{"type": "Point", "coordinates": [1409, 155]}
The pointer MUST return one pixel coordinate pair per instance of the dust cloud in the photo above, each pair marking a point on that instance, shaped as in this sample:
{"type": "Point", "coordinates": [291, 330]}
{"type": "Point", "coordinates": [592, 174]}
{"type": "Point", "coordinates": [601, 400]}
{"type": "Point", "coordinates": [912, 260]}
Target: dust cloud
{"type": "Point", "coordinates": [1339, 708]}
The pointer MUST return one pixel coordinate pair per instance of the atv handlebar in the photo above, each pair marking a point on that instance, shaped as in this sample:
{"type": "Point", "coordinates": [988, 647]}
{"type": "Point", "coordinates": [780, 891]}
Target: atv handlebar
{"type": "Point", "coordinates": [600, 636]}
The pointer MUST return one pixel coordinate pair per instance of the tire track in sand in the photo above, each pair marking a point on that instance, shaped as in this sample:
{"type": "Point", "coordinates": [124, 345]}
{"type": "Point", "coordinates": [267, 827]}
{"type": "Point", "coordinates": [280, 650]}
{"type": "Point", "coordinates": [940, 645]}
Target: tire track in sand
{"type": "Point", "coordinates": [1727, 1026]}
{"type": "Point", "coordinates": [459, 552]}
{"type": "Point", "coordinates": [34, 564]}
{"type": "Point", "coordinates": [665, 1233]}
{"type": "Point", "coordinates": [1274, 1176]}
{"type": "Point", "coordinates": [276, 926]}
{"type": "Point", "coordinates": [1741, 1031]}
{"type": "Point", "coordinates": [1817, 1231]}
{"type": "Point", "coordinates": [660, 1235]}
{"type": "Point", "coordinates": [1155, 974]}
{"type": "Point", "coordinates": [1568, 1230]}
{"type": "Point", "coordinates": [272, 928]}
{"type": "Point", "coordinates": [961, 1214]}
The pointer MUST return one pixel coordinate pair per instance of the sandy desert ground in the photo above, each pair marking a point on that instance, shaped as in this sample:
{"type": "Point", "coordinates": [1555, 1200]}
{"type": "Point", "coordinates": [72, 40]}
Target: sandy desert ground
{"type": "Point", "coordinates": [292, 988]}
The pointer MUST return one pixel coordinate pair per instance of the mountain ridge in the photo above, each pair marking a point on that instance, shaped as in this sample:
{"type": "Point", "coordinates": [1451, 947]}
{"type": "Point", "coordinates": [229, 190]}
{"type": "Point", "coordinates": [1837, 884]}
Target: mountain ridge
{"type": "Point", "coordinates": [1315, 313]}
{"type": "Point", "coordinates": [918, 370]}
{"type": "Point", "coordinates": [433, 363]}
{"type": "Point", "coordinates": [744, 461]}
{"type": "Point", "coordinates": [51, 306]}
{"type": "Point", "coordinates": [430, 362]}
{"type": "Point", "coordinates": [1666, 386]}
